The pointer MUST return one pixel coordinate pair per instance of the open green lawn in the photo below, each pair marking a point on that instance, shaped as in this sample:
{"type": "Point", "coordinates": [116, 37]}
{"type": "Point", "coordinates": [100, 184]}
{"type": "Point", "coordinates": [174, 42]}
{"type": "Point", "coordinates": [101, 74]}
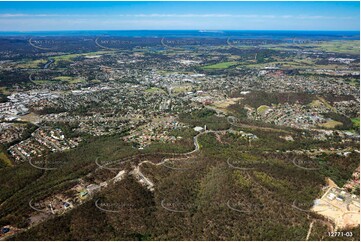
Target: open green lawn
{"type": "Point", "coordinates": [222, 65]}
{"type": "Point", "coordinates": [155, 90]}
{"type": "Point", "coordinates": [356, 122]}
{"type": "Point", "coordinates": [262, 109]}
{"type": "Point", "coordinates": [349, 47]}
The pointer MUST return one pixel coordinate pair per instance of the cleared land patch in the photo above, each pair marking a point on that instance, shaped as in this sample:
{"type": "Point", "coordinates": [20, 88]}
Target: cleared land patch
{"type": "Point", "coordinates": [331, 124]}
{"type": "Point", "coordinates": [5, 160]}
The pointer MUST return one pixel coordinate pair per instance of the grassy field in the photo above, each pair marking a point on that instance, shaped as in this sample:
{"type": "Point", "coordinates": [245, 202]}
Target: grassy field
{"type": "Point", "coordinates": [40, 82]}
{"type": "Point", "coordinates": [284, 63]}
{"type": "Point", "coordinates": [222, 65]}
{"type": "Point", "coordinates": [331, 124]}
{"type": "Point", "coordinates": [315, 103]}
{"type": "Point", "coordinates": [70, 57]}
{"type": "Point", "coordinates": [262, 109]}
{"type": "Point", "coordinates": [69, 79]}
{"type": "Point", "coordinates": [180, 89]}
{"type": "Point", "coordinates": [155, 90]}
{"type": "Point", "coordinates": [291, 64]}
{"type": "Point", "coordinates": [32, 64]}
{"type": "Point", "coordinates": [223, 105]}
{"type": "Point", "coordinates": [349, 47]}
{"type": "Point", "coordinates": [327, 104]}
{"type": "Point", "coordinates": [4, 90]}
{"type": "Point", "coordinates": [31, 117]}
{"type": "Point", "coordinates": [356, 122]}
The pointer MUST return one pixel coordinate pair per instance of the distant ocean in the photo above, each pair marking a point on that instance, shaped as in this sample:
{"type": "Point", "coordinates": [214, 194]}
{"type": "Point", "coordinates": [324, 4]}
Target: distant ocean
{"type": "Point", "coordinates": [245, 34]}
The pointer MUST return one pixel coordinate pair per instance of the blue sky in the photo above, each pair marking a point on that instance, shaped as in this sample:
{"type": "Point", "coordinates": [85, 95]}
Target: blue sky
{"type": "Point", "coordinates": [35, 16]}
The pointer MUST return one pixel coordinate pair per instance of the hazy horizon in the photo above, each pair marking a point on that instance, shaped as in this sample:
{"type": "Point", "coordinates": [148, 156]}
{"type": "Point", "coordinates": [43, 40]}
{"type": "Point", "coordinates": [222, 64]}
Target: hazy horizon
{"type": "Point", "coordinates": [86, 16]}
